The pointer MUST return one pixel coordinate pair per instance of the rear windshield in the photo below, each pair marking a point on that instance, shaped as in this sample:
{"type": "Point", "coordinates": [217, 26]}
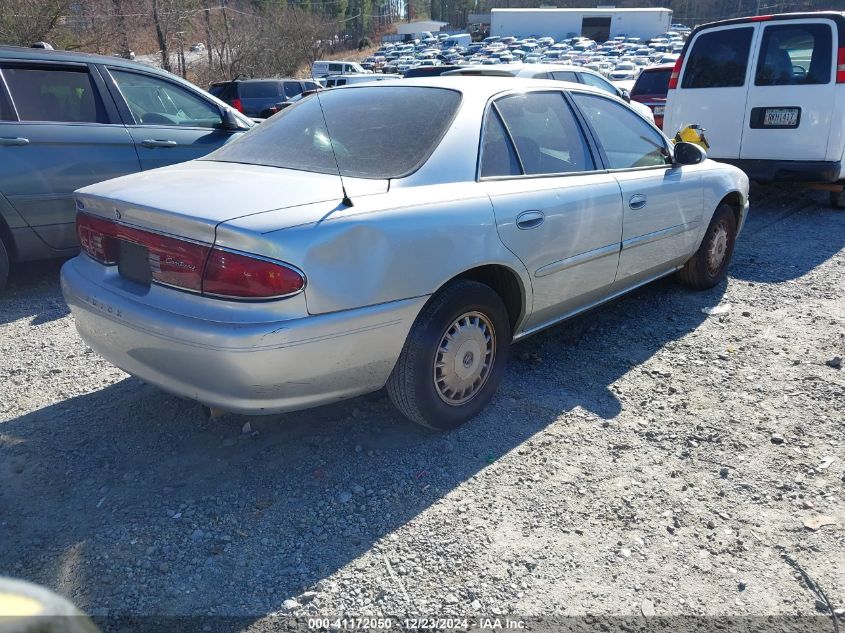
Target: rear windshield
{"type": "Point", "coordinates": [377, 132]}
{"type": "Point", "coordinates": [652, 82]}
{"type": "Point", "coordinates": [259, 90]}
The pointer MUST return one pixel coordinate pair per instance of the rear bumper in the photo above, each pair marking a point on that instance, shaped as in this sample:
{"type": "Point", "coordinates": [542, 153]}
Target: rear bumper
{"type": "Point", "coordinates": [787, 170]}
{"type": "Point", "coordinates": [251, 368]}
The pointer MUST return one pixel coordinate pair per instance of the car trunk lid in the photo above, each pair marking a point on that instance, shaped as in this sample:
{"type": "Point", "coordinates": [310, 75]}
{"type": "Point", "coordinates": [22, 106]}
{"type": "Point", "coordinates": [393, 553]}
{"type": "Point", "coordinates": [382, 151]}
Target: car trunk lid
{"type": "Point", "coordinates": [191, 199]}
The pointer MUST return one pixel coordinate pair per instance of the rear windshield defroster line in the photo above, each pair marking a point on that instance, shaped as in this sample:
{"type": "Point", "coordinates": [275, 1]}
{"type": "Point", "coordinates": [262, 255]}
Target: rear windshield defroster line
{"type": "Point", "coordinates": [379, 132]}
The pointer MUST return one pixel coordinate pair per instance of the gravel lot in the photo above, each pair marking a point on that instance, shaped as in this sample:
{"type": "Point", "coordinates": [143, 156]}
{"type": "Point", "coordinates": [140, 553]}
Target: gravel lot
{"type": "Point", "coordinates": [645, 457]}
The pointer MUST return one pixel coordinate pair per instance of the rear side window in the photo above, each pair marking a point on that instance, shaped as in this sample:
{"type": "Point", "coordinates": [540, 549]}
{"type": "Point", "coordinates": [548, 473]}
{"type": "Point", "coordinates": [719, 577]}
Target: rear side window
{"type": "Point", "coordinates": [7, 113]}
{"type": "Point", "coordinates": [260, 90]}
{"type": "Point", "coordinates": [498, 157]}
{"type": "Point", "coordinates": [795, 54]}
{"type": "Point", "coordinates": [65, 96]}
{"type": "Point", "coordinates": [545, 132]}
{"type": "Point", "coordinates": [652, 82]}
{"type": "Point", "coordinates": [564, 75]}
{"type": "Point", "coordinates": [719, 59]}
{"type": "Point", "coordinates": [335, 68]}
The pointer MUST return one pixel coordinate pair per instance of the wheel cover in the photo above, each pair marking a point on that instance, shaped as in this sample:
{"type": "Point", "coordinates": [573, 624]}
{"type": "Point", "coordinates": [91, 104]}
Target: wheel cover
{"type": "Point", "coordinates": [717, 249]}
{"type": "Point", "coordinates": [464, 358]}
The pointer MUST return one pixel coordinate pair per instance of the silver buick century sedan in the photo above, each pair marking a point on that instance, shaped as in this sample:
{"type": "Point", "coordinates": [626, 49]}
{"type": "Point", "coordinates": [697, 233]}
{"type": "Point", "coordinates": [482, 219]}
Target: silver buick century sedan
{"type": "Point", "coordinates": [400, 233]}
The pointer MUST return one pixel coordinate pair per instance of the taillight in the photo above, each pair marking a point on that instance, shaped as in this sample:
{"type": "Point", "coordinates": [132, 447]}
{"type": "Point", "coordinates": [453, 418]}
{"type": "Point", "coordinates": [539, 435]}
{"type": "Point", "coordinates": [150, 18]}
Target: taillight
{"type": "Point", "coordinates": [840, 66]}
{"type": "Point", "coordinates": [96, 238]}
{"type": "Point", "coordinates": [238, 105]}
{"type": "Point", "coordinates": [173, 261]}
{"type": "Point", "coordinates": [236, 275]}
{"type": "Point", "coordinates": [676, 73]}
{"type": "Point", "coordinates": [190, 265]}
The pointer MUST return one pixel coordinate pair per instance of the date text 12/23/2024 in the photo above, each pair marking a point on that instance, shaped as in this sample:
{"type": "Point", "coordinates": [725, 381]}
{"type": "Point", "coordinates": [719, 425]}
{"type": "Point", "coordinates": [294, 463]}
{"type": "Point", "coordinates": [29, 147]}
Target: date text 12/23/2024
{"type": "Point", "coordinates": [415, 624]}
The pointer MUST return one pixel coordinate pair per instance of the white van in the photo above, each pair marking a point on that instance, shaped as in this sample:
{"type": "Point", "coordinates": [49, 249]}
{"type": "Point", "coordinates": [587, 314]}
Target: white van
{"type": "Point", "coordinates": [769, 92]}
{"type": "Point", "coordinates": [461, 40]}
{"type": "Point", "coordinates": [324, 69]}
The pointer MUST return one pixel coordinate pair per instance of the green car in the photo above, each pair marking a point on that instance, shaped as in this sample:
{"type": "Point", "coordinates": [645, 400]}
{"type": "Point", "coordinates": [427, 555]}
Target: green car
{"type": "Point", "coordinates": [68, 120]}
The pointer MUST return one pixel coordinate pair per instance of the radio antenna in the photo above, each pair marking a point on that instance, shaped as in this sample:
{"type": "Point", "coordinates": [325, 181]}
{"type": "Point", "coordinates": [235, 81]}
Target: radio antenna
{"type": "Point", "coordinates": [347, 201]}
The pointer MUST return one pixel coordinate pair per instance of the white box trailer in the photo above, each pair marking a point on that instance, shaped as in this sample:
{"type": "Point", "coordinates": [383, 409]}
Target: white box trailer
{"type": "Point", "coordinates": [597, 24]}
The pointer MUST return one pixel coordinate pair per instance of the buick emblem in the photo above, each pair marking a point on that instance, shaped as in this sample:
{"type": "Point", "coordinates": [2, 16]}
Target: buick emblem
{"type": "Point", "coordinates": [117, 214]}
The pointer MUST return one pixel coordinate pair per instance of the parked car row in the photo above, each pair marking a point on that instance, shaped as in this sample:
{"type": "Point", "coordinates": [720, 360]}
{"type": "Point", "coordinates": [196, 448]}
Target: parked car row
{"type": "Point", "coordinates": [621, 58]}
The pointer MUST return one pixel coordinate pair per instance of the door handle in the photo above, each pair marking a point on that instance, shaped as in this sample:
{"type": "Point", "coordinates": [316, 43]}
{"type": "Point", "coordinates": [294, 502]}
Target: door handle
{"type": "Point", "coordinates": [530, 219]}
{"type": "Point", "coordinates": [637, 201]}
{"type": "Point", "coordinates": [156, 143]}
{"type": "Point", "coordinates": [14, 141]}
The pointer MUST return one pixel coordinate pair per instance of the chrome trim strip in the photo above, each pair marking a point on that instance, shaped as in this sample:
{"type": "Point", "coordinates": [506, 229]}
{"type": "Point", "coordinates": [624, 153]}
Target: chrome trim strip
{"type": "Point", "coordinates": [575, 260]}
{"type": "Point", "coordinates": [592, 305]}
{"type": "Point", "coordinates": [642, 240]}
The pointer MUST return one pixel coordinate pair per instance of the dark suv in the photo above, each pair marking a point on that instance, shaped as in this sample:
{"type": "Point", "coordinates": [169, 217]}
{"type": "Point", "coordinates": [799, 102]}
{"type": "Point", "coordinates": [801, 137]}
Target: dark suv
{"type": "Point", "coordinates": [254, 96]}
{"type": "Point", "coordinates": [68, 120]}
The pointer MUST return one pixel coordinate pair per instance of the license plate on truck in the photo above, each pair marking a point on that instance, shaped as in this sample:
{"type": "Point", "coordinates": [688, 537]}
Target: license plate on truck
{"type": "Point", "coordinates": [781, 117]}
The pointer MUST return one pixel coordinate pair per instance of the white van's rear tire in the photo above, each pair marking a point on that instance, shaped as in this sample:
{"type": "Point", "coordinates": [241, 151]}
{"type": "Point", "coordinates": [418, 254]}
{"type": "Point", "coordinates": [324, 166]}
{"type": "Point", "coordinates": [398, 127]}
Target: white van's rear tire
{"type": "Point", "coordinates": [837, 199]}
{"type": "Point", "coordinates": [4, 265]}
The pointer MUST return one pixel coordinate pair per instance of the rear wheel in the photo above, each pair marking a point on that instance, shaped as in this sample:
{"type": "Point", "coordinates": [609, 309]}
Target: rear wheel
{"type": "Point", "coordinates": [709, 265]}
{"type": "Point", "coordinates": [454, 357]}
{"type": "Point", "coordinates": [4, 265]}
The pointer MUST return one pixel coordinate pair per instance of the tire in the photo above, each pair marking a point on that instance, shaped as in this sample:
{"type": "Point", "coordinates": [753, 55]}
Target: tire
{"type": "Point", "coordinates": [837, 199]}
{"type": "Point", "coordinates": [709, 265]}
{"type": "Point", "coordinates": [4, 265]}
{"type": "Point", "coordinates": [445, 396]}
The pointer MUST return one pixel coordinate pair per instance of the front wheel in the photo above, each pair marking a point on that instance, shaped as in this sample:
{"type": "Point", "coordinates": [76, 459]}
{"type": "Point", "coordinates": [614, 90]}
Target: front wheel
{"type": "Point", "coordinates": [709, 265]}
{"type": "Point", "coordinates": [454, 357]}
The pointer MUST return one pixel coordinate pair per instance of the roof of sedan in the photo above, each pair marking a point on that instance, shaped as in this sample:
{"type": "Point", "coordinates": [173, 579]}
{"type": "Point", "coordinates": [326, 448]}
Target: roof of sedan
{"type": "Point", "coordinates": [480, 85]}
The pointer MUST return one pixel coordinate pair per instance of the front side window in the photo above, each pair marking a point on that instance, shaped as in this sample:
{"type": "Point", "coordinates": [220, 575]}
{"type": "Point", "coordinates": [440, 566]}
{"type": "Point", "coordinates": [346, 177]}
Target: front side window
{"type": "Point", "coordinates": [155, 101]}
{"type": "Point", "coordinates": [795, 54]}
{"type": "Point", "coordinates": [58, 95]}
{"type": "Point", "coordinates": [719, 59]}
{"type": "Point", "coordinates": [292, 88]}
{"type": "Point", "coordinates": [627, 140]}
{"type": "Point", "coordinates": [545, 132]}
{"type": "Point", "coordinates": [598, 82]}
{"type": "Point", "coordinates": [396, 130]}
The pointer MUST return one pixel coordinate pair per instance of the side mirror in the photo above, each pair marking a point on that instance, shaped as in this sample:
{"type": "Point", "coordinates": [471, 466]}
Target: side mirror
{"type": "Point", "coordinates": [230, 121]}
{"type": "Point", "coordinates": [624, 94]}
{"type": "Point", "coordinates": [689, 154]}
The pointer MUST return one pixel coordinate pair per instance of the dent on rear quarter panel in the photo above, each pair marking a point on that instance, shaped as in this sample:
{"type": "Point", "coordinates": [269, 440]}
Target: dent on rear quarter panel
{"type": "Point", "coordinates": [402, 244]}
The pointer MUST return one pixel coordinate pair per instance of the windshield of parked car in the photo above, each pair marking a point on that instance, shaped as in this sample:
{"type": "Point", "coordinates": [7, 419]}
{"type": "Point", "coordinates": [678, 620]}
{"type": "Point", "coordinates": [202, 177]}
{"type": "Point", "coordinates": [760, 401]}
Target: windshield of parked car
{"type": "Point", "coordinates": [652, 82]}
{"type": "Point", "coordinates": [376, 132]}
